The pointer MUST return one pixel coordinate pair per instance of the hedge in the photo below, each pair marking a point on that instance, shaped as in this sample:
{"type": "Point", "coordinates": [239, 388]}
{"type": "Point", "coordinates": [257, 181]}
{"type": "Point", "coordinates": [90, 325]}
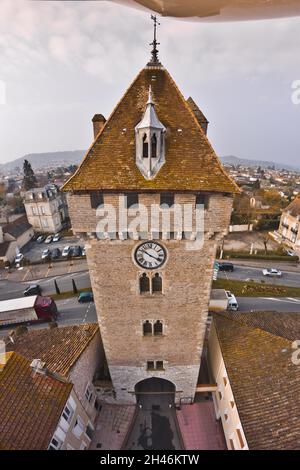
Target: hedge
{"type": "Point", "coordinates": [271, 257]}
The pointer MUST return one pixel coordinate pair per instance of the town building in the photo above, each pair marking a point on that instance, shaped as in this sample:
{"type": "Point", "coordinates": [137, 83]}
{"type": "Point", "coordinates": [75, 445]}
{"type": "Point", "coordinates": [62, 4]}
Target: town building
{"type": "Point", "coordinates": [257, 380]}
{"type": "Point", "coordinates": [151, 284]}
{"type": "Point", "coordinates": [74, 352]}
{"type": "Point", "coordinates": [46, 209]}
{"type": "Point", "coordinates": [288, 231]}
{"type": "Point", "coordinates": [14, 234]}
{"type": "Point", "coordinates": [47, 375]}
{"type": "Point", "coordinates": [39, 410]}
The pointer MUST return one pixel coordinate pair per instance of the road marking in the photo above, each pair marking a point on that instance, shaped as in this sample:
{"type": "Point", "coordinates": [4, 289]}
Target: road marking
{"type": "Point", "coordinates": [286, 300]}
{"type": "Point", "coordinates": [25, 275]}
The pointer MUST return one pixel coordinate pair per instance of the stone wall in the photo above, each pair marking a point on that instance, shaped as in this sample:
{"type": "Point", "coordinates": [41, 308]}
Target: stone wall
{"type": "Point", "coordinates": [182, 306]}
{"type": "Point", "coordinates": [82, 373]}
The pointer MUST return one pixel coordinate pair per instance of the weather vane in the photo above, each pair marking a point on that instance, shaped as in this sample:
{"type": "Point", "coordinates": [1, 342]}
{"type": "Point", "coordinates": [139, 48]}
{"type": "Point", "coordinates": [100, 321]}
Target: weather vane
{"type": "Point", "coordinates": [154, 52]}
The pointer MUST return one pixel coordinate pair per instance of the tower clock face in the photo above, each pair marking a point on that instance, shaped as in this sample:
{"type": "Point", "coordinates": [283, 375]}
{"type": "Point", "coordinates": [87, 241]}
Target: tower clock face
{"type": "Point", "coordinates": [150, 255]}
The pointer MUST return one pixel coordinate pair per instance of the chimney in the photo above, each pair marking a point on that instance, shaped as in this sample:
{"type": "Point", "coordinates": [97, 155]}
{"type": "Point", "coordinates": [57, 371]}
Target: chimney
{"type": "Point", "coordinates": [38, 366]}
{"type": "Point", "coordinates": [98, 123]}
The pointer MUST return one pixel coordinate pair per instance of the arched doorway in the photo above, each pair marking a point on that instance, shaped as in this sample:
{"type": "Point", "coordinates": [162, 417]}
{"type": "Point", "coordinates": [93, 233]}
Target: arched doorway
{"type": "Point", "coordinates": [155, 392]}
{"type": "Point", "coordinates": [155, 426]}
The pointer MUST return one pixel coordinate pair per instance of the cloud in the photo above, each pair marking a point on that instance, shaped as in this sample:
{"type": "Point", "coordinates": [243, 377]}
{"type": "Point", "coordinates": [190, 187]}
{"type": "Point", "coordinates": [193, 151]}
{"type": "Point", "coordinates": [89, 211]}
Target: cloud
{"type": "Point", "coordinates": [56, 55]}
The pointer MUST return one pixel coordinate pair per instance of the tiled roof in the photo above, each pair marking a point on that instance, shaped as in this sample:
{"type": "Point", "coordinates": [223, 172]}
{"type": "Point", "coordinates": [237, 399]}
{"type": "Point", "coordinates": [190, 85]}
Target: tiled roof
{"type": "Point", "coordinates": [286, 325]}
{"type": "Point", "coordinates": [30, 405]}
{"type": "Point", "coordinates": [294, 207]}
{"type": "Point", "coordinates": [17, 227]}
{"type": "Point", "coordinates": [264, 381]}
{"type": "Point", "coordinates": [4, 248]}
{"type": "Point", "coordinates": [191, 163]}
{"type": "Point", "coordinates": [59, 348]}
{"type": "Point", "coordinates": [197, 111]}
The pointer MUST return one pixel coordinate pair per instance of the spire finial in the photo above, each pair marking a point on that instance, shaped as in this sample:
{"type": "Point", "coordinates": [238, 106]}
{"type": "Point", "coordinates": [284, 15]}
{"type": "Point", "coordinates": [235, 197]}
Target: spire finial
{"type": "Point", "coordinates": [150, 97]}
{"type": "Point", "coordinates": [154, 52]}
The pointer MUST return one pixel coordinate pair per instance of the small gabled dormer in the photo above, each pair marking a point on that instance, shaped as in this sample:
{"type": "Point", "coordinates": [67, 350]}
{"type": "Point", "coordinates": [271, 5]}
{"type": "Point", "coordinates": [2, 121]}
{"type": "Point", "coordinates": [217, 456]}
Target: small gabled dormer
{"type": "Point", "coordinates": [150, 141]}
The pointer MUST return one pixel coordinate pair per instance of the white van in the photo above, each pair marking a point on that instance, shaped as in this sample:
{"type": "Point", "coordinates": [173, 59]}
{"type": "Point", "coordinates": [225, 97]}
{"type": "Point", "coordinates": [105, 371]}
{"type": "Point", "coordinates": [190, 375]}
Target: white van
{"type": "Point", "coordinates": [232, 302]}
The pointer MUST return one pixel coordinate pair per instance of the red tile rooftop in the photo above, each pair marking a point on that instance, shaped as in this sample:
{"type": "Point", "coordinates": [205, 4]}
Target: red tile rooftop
{"type": "Point", "coordinates": [199, 428]}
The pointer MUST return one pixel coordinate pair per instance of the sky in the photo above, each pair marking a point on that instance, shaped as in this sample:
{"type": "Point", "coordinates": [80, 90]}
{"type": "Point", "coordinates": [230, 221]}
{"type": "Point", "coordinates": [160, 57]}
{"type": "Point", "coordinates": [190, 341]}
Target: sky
{"type": "Point", "coordinates": [63, 62]}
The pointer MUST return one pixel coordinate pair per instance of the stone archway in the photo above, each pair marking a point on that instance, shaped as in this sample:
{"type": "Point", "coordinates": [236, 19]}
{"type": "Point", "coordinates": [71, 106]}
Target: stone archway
{"type": "Point", "coordinates": [155, 391]}
{"type": "Point", "coordinates": [155, 426]}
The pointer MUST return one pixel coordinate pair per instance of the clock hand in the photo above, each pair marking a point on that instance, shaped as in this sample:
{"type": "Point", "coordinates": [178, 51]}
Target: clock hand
{"type": "Point", "coordinates": [151, 256]}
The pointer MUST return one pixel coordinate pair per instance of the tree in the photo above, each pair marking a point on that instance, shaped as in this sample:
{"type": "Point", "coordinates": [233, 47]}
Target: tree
{"type": "Point", "coordinates": [56, 287]}
{"type": "Point", "coordinates": [29, 180]}
{"type": "Point", "coordinates": [74, 287]}
{"type": "Point", "coordinates": [256, 184]}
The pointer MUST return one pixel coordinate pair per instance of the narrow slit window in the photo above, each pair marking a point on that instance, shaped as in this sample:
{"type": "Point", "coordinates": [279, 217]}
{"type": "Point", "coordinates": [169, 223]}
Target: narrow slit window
{"type": "Point", "coordinates": [147, 328]}
{"type": "Point", "coordinates": [157, 283]}
{"type": "Point", "coordinates": [145, 147]}
{"type": "Point", "coordinates": [144, 283]}
{"type": "Point", "coordinates": [154, 146]}
{"type": "Point", "coordinates": [158, 328]}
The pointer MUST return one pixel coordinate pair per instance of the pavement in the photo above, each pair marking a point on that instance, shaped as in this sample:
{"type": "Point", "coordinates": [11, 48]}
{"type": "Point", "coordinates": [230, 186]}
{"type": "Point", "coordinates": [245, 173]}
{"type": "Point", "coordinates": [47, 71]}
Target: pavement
{"type": "Point", "coordinates": [275, 304]}
{"type": "Point", "coordinates": [70, 313]}
{"type": "Point", "coordinates": [111, 427]}
{"type": "Point", "coordinates": [11, 289]}
{"type": "Point", "coordinates": [155, 426]}
{"type": "Point", "coordinates": [33, 250]}
{"type": "Point", "coordinates": [45, 270]}
{"type": "Point", "coordinates": [290, 277]}
{"type": "Point", "coordinates": [199, 428]}
{"type": "Point", "coordinates": [288, 266]}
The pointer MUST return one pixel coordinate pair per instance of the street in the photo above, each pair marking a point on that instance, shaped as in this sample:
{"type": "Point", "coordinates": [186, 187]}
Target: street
{"type": "Point", "coordinates": [13, 289]}
{"type": "Point", "coordinates": [247, 273]}
{"type": "Point", "coordinates": [70, 313]}
{"type": "Point", "coordinates": [286, 304]}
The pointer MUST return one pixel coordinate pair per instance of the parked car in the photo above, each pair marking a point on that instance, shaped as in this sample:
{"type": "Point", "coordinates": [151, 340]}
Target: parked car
{"type": "Point", "coordinates": [232, 302]}
{"type": "Point", "coordinates": [49, 239]}
{"type": "Point", "coordinates": [34, 289]}
{"type": "Point", "coordinates": [226, 267]}
{"type": "Point", "coordinates": [56, 253]}
{"type": "Point", "coordinates": [272, 272]}
{"type": "Point", "coordinates": [86, 297]}
{"type": "Point", "coordinates": [46, 253]}
{"type": "Point", "coordinates": [19, 258]}
{"type": "Point", "coordinates": [40, 239]}
{"type": "Point", "coordinates": [76, 251]}
{"type": "Point", "coordinates": [290, 252]}
{"type": "Point", "coordinates": [56, 237]}
{"type": "Point", "coordinates": [66, 251]}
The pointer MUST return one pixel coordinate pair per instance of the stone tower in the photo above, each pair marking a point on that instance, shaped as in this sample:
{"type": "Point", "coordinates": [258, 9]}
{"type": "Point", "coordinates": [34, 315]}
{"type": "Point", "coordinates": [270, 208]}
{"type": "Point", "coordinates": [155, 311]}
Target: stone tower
{"type": "Point", "coordinates": [151, 282]}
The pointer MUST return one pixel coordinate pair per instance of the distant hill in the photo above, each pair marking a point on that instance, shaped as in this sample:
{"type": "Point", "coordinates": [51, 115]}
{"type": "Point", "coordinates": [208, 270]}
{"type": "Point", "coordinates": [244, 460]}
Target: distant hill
{"type": "Point", "coordinates": [52, 159]}
{"type": "Point", "coordinates": [45, 160]}
{"type": "Point", "coordinates": [232, 160]}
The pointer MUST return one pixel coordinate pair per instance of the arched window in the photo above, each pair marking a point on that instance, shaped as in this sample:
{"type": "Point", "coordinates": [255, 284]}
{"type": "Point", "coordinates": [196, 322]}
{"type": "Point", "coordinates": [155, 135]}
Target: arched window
{"type": "Point", "coordinates": [145, 147]}
{"type": "Point", "coordinates": [158, 328]}
{"type": "Point", "coordinates": [157, 283]}
{"type": "Point", "coordinates": [147, 328]}
{"type": "Point", "coordinates": [154, 146]}
{"type": "Point", "coordinates": [144, 283]}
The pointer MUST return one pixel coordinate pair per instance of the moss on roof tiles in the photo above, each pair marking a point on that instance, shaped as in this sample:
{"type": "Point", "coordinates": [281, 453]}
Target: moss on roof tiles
{"type": "Point", "coordinates": [30, 405]}
{"type": "Point", "coordinates": [191, 163]}
{"type": "Point", "coordinates": [264, 381]}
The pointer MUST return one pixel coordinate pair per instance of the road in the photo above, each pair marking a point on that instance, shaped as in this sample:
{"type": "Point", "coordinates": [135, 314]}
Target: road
{"type": "Point", "coordinates": [286, 304]}
{"type": "Point", "coordinates": [245, 273]}
{"type": "Point", "coordinates": [70, 313]}
{"type": "Point", "coordinates": [12, 289]}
